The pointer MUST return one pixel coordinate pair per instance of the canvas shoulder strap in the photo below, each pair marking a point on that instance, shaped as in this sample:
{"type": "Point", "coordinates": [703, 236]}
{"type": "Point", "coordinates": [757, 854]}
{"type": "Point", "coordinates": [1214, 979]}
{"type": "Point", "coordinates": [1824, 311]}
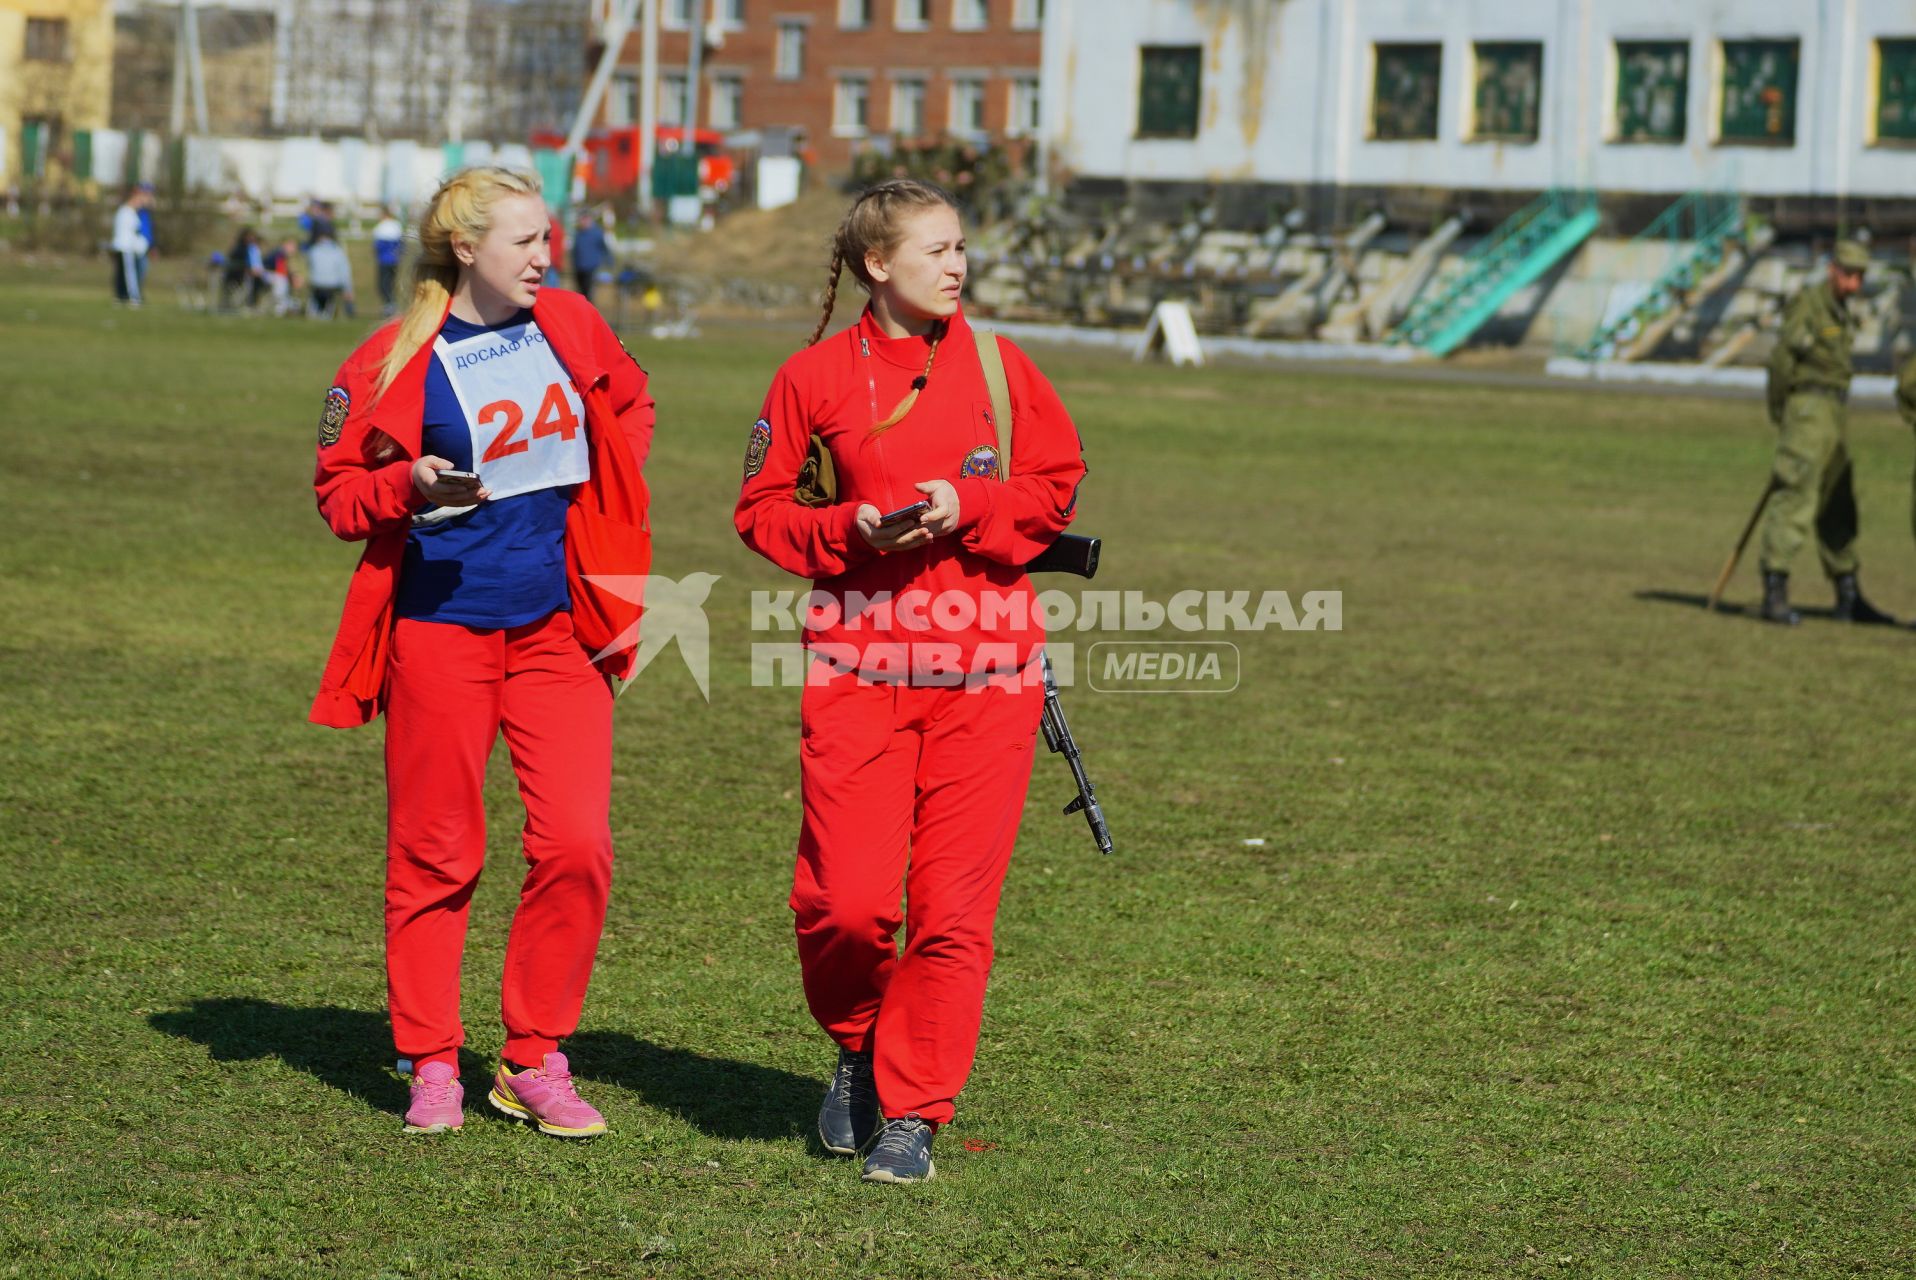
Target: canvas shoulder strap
{"type": "Point", "coordinates": [992, 357]}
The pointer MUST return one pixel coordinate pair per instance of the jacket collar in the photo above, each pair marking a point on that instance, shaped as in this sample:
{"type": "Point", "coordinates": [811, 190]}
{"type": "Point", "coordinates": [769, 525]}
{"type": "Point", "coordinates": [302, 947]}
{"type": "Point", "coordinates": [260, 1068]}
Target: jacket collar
{"type": "Point", "coordinates": [909, 352]}
{"type": "Point", "coordinates": [400, 413]}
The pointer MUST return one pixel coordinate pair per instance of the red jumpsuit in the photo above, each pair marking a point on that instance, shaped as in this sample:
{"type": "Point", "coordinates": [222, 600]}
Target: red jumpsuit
{"type": "Point", "coordinates": [449, 690]}
{"type": "Point", "coordinates": [913, 784]}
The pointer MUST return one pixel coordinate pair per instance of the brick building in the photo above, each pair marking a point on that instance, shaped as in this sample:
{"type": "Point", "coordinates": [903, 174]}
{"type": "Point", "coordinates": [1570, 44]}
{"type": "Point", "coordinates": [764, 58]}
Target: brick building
{"type": "Point", "coordinates": [845, 74]}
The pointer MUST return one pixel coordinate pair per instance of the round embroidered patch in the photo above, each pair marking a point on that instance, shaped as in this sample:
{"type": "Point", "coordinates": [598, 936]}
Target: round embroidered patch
{"type": "Point", "coordinates": [980, 463]}
{"type": "Point", "coordinates": [333, 416]}
{"type": "Point", "coordinates": [756, 447]}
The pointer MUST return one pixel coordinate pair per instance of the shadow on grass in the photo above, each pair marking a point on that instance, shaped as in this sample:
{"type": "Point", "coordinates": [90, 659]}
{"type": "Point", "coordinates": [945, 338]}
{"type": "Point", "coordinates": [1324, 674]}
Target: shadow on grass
{"type": "Point", "coordinates": [1699, 599]}
{"type": "Point", "coordinates": [351, 1049]}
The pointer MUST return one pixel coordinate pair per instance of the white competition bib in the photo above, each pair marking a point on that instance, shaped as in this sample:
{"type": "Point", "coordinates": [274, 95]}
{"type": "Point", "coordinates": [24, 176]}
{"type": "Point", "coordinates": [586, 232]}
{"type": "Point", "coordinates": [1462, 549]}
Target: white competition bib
{"type": "Point", "coordinates": [526, 418]}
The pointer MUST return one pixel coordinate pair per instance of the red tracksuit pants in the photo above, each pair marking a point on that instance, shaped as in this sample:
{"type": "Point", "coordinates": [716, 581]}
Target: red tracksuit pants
{"type": "Point", "coordinates": [910, 791]}
{"type": "Point", "coordinates": [451, 690]}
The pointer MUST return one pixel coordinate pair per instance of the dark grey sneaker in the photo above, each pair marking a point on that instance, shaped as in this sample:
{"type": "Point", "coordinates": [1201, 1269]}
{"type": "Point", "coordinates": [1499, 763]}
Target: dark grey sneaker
{"type": "Point", "coordinates": [849, 1115]}
{"type": "Point", "coordinates": [902, 1152]}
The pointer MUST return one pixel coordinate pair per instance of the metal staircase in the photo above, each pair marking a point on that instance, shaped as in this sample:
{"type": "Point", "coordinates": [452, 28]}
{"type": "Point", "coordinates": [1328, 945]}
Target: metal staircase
{"type": "Point", "coordinates": [1701, 230]}
{"type": "Point", "coordinates": [1529, 243]}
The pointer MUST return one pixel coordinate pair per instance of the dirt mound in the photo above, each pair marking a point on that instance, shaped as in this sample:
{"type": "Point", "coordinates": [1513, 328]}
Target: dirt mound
{"type": "Point", "coordinates": [789, 246]}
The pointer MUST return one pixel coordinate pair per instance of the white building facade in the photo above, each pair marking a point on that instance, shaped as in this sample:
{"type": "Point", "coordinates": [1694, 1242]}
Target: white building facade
{"type": "Point", "coordinates": [1787, 98]}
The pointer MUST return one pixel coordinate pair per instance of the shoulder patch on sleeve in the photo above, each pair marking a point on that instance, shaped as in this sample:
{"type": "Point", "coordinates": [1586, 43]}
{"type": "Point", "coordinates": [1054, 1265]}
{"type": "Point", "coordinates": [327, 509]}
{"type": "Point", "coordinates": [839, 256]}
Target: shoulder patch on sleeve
{"type": "Point", "coordinates": [333, 416]}
{"type": "Point", "coordinates": [757, 445]}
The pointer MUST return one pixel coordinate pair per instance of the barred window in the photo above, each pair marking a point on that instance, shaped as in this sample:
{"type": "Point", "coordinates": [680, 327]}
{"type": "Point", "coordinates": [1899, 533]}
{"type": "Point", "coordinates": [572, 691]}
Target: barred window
{"type": "Point", "coordinates": [1406, 92]}
{"type": "Point", "coordinates": [1169, 84]}
{"type": "Point", "coordinates": [1759, 92]}
{"type": "Point", "coordinates": [1653, 90]}
{"type": "Point", "coordinates": [1509, 91]}
{"type": "Point", "coordinates": [1896, 90]}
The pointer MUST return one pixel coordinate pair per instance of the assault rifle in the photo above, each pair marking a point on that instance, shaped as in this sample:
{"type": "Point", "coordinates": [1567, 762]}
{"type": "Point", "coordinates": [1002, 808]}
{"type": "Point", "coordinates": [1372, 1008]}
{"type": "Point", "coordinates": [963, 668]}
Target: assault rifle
{"type": "Point", "coordinates": [1077, 555]}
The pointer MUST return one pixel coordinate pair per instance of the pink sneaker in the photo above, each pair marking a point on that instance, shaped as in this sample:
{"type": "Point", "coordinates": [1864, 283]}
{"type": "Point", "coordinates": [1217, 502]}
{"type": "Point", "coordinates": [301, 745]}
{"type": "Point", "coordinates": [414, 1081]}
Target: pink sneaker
{"type": "Point", "coordinates": [436, 1100]}
{"type": "Point", "coordinates": [544, 1095]}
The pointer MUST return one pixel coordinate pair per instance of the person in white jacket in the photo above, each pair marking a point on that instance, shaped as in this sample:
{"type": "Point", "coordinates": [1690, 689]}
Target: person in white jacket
{"type": "Point", "coordinates": [129, 245]}
{"type": "Point", "coordinates": [329, 276]}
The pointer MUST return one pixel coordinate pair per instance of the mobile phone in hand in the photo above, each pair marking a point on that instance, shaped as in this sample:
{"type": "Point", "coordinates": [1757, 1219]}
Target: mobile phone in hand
{"type": "Point", "coordinates": [459, 477]}
{"type": "Point", "coordinates": [904, 515]}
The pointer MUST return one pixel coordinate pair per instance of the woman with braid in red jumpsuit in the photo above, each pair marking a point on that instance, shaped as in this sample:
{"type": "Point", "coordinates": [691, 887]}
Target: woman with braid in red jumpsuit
{"type": "Point", "coordinates": [922, 700]}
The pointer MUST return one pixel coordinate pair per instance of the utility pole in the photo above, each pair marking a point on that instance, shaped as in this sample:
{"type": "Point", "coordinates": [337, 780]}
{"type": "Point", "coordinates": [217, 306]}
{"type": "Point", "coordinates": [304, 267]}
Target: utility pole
{"type": "Point", "coordinates": [614, 33]}
{"type": "Point", "coordinates": [694, 60]}
{"type": "Point", "coordinates": [648, 105]}
{"type": "Point", "coordinates": [188, 71]}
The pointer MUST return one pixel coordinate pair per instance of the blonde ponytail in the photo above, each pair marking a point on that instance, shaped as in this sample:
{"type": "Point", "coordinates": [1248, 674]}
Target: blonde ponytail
{"type": "Point", "coordinates": [462, 209]}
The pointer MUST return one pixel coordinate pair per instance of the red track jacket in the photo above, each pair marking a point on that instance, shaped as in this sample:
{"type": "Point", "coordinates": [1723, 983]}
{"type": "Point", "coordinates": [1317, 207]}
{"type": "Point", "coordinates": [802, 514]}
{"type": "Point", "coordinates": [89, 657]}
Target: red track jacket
{"type": "Point", "coordinates": [839, 389]}
{"type": "Point", "coordinates": [365, 499]}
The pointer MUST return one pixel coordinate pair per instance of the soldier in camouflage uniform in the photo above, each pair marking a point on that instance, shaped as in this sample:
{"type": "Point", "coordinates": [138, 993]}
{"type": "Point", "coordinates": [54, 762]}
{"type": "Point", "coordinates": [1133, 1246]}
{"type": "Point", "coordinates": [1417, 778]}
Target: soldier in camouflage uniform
{"type": "Point", "coordinates": [1809, 395]}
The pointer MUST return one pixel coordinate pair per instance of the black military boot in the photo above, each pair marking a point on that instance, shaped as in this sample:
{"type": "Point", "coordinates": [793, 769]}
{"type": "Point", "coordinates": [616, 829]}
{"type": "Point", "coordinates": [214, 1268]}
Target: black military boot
{"type": "Point", "coordinates": [1776, 599]}
{"type": "Point", "coordinates": [1852, 607]}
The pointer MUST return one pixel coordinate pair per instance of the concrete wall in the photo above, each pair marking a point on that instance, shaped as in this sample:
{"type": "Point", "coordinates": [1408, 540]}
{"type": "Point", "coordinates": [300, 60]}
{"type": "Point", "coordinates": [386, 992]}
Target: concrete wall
{"type": "Point", "coordinates": [1287, 88]}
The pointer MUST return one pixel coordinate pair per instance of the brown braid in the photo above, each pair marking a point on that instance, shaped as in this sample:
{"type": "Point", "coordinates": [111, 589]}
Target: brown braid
{"type": "Point", "coordinates": [831, 294]}
{"type": "Point", "coordinates": [917, 384]}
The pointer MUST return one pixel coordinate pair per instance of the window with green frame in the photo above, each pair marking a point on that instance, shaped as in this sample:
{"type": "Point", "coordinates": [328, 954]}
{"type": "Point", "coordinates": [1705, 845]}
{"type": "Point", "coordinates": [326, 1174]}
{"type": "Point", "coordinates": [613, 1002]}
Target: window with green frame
{"type": "Point", "coordinates": [1168, 90]}
{"type": "Point", "coordinates": [1759, 92]}
{"type": "Point", "coordinates": [1509, 91]}
{"type": "Point", "coordinates": [1406, 94]}
{"type": "Point", "coordinates": [1653, 90]}
{"type": "Point", "coordinates": [1896, 90]}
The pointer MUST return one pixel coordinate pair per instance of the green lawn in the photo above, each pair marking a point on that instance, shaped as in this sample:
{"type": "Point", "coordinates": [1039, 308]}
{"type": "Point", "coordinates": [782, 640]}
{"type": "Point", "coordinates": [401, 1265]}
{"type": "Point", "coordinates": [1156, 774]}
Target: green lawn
{"type": "Point", "coordinates": [1580, 942]}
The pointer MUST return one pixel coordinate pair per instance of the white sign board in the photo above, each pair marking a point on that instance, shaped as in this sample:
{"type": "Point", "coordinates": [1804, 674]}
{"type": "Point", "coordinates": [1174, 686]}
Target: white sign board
{"type": "Point", "coordinates": [777, 181]}
{"type": "Point", "coordinates": [1172, 331]}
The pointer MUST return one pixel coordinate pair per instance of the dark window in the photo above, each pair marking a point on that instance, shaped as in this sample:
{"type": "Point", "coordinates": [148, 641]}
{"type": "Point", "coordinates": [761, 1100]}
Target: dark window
{"type": "Point", "coordinates": [1405, 98]}
{"type": "Point", "coordinates": [1759, 91]}
{"type": "Point", "coordinates": [1896, 90]}
{"type": "Point", "coordinates": [1653, 90]}
{"type": "Point", "coordinates": [1509, 92]}
{"type": "Point", "coordinates": [46, 40]}
{"type": "Point", "coordinates": [1168, 85]}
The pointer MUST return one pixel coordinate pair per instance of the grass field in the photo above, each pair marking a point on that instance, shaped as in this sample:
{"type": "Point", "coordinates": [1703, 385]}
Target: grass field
{"type": "Point", "coordinates": [1580, 944]}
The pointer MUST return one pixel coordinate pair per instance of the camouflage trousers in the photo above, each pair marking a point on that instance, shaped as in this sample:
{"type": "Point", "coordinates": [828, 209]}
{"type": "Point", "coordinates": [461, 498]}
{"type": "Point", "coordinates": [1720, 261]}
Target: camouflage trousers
{"type": "Point", "coordinates": [1816, 491]}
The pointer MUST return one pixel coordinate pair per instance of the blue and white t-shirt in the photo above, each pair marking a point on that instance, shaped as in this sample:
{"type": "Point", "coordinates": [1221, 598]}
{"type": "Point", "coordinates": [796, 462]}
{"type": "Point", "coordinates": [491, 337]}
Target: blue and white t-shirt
{"type": "Point", "coordinates": [500, 563]}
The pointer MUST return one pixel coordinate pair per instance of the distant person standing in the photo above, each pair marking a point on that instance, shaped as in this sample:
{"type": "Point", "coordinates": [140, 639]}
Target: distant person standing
{"type": "Point", "coordinates": [389, 241]}
{"type": "Point", "coordinates": [1814, 489]}
{"type": "Point", "coordinates": [316, 221]}
{"type": "Point", "coordinates": [146, 233]}
{"type": "Point", "coordinates": [129, 245]}
{"type": "Point", "coordinates": [280, 277]}
{"type": "Point", "coordinates": [590, 252]}
{"type": "Point", "coordinates": [244, 278]}
{"type": "Point", "coordinates": [329, 276]}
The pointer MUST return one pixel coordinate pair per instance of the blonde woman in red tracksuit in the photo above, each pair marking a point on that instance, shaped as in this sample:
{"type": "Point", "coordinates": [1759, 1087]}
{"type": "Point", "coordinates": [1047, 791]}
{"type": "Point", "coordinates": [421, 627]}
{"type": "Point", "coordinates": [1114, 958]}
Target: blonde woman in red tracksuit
{"type": "Point", "coordinates": [922, 700]}
{"type": "Point", "coordinates": [486, 446]}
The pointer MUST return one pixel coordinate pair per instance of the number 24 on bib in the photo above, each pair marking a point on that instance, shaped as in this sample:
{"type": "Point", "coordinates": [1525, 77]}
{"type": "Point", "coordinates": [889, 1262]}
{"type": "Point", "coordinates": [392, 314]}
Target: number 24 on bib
{"type": "Point", "coordinates": [526, 418]}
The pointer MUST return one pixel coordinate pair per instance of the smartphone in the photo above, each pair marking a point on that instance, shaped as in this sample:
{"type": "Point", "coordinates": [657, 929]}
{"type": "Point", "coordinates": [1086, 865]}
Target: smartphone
{"type": "Point", "coordinates": [466, 477]}
{"type": "Point", "coordinates": [903, 514]}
